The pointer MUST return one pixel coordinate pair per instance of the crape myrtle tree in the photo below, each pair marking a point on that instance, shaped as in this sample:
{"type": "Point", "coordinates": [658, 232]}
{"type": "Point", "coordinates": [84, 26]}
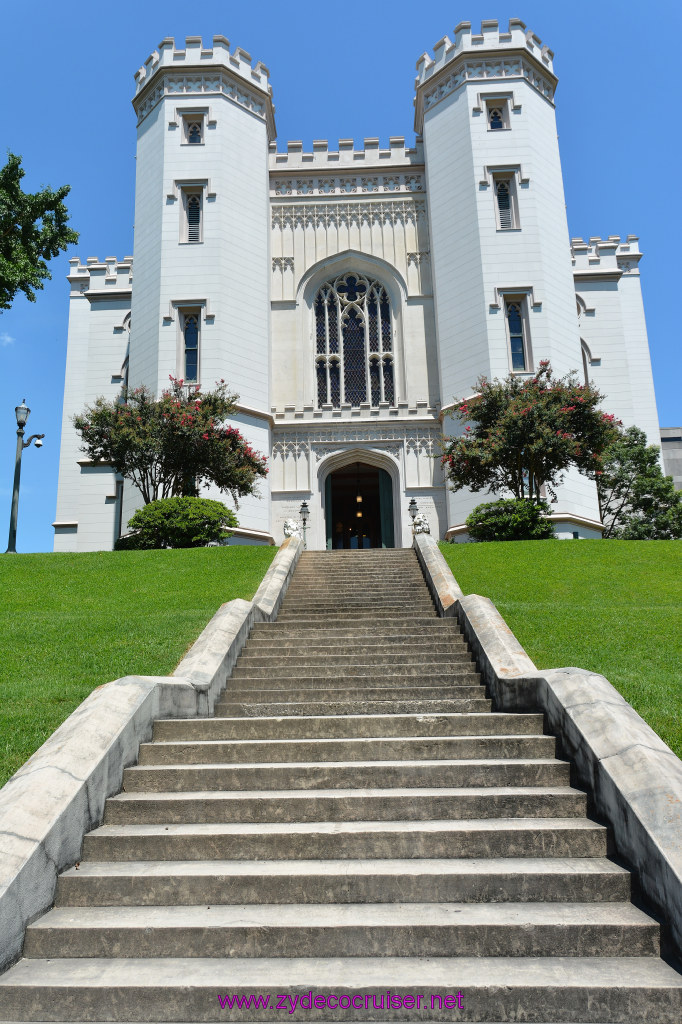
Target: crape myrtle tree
{"type": "Point", "coordinates": [33, 228]}
{"type": "Point", "coordinates": [174, 444]}
{"type": "Point", "coordinates": [525, 432]}
{"type": "Point", "coordinates": [636, 501]}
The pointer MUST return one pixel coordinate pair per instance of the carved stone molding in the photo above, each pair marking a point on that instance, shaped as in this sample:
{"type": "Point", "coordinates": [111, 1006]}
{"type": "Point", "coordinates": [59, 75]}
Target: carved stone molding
{"type": "Point", "coordinates": [348, 184]}
{"type": "Point", "coordinates": [283, 263]}
{"type": "Point", "coordinates": [325, 441]}
{"type": "Point", "coordinates": [174, 84]}
{"type": "Point", "coordinates": [418, 258]}
{"type": "Point", "coordinates": [334, 213]}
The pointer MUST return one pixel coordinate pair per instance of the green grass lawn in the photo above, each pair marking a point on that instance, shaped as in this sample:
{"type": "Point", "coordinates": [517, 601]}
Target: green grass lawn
{"type": "Point", "coordinates": [70, 622]}
{"type": "Point", "coordinates": [613, 607]}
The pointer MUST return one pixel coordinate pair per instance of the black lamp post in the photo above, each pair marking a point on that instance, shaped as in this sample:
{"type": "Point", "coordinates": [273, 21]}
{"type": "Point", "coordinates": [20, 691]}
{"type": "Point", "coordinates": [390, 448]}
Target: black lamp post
{"type": "Point", "coordinates": [412, 509]}
{"type": "Point", "coordinates": [304, 512]}
{"type": "Point", "coordinates": [22, 413]}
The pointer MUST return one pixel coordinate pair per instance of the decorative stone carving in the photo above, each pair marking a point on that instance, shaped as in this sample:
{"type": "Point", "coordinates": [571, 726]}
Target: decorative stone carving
{"type": "Point", "coordinates": [328, 185]}
{"type": "Point", "coordinates": [283, 263]}
{"type": "Point", "coordinates": [417, 258]}
{"type": "Point", "coordinates": [421, 524]}
{"type": "Point", "coordinates": [213, 82]}
{"type": "Point", "coordinates": [292, 528]}
{"type": "Point", "coordinates": [488, 69]}
{"type": "Point", "coordinates": [325, 214]}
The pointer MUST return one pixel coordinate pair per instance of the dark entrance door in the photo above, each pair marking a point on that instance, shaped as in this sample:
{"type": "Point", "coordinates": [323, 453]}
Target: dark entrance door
{"type": "Point", "coordinates": [359, 507]}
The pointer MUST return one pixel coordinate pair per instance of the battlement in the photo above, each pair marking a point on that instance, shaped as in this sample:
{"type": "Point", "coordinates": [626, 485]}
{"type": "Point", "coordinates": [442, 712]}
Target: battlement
{"type": "Point", "coordinates": [345, 155]}
{"type": "Point", "coordinates": [100, 276]}
{"type": "Point", "coordinates": [517, 37]}
{"type": "Point", "coordinates": [605, 255]}
{"type": "Point", "coordinates": [195, 56]}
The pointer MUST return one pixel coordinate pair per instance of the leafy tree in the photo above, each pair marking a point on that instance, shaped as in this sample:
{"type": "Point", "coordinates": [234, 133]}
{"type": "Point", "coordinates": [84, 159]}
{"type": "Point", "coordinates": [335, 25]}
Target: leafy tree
{"type": "Point", "coordinates": [33, 228]}
{"type": "Point", "coordinates": [178, 523]}
{"type": "Point", "coordinates": [510, 519]}
{"type": "Point", "coordinates": [635, 500]}
{"type": "Point", "coordinates": [527, 432]}
{"type": "Point", "coordinates": [171, 445]}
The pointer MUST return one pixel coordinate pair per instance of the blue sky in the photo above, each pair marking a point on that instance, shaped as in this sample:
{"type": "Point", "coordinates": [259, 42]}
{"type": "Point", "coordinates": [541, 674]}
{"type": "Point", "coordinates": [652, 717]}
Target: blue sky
{"type": "Point", "coordinates": [338, 71]}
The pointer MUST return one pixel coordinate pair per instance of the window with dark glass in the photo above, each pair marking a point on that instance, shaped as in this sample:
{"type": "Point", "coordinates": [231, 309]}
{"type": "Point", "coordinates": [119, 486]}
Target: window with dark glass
{"type": "Point", "coordinates": [353, 343]}
{"type": "Point", "coordinates": [495, 118]}
{"type": "Point", "coordinates": [516, 336]}
{"type": "Point", "coordinates": [194, 132]}
{"type": "Point", "coordinates": [191, 345]}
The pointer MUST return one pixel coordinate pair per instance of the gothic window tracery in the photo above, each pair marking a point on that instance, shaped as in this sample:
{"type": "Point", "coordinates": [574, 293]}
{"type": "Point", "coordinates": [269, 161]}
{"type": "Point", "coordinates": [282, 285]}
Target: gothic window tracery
{"type": "Point", "coordinates": [353, 343]}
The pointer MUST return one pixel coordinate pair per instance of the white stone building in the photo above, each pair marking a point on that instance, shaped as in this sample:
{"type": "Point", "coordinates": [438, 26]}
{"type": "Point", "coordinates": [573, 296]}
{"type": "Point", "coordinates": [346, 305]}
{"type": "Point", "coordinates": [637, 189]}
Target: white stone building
{"type": "Point", "coordinates": [349, 296]}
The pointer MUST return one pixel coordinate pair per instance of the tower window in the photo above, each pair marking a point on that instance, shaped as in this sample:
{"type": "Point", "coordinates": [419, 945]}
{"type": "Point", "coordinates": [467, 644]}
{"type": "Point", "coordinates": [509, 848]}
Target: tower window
{"type": "Point", "coordinates": [353, 343]}
{"type": "Point", "coordinates": [506, 210]}
{"type": "Point", "coordinates": [497, 112]}
{"type": "Point", "coordinates": [195, 133]}
{"type": "Point", "coordinates": [517, 334]}
{"type": "Point", "coordinates": [191, 230]}
{"type": "Point", "coordinates": [190, 333]}
{"type": "Point", "coordinates": [193, 129]}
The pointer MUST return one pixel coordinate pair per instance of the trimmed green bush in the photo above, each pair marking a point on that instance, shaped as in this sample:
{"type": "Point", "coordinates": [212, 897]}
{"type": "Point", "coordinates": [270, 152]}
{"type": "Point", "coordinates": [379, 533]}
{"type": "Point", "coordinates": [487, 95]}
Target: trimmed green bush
{"type": "Point", "coordinates": [178, 523]}
{"type": "Point", "coordinates": [510, 519]}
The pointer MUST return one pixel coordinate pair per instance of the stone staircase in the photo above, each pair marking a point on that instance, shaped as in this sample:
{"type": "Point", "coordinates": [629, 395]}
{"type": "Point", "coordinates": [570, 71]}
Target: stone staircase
{"type": "Point", "coordinates": [353, 821]}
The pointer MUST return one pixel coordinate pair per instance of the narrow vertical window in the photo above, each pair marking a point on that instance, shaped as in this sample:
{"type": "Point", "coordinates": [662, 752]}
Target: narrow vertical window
{"type": "Point", "coordinates": [191, 340]}
{"type": "Point", "coordinates": [504, 203]}
{"type": "Point", "coordinates": [495, 119]}
{"type": "Point", "coordinates": [194, 217]}
{"type": "Point", "coordinates": [516, 336]}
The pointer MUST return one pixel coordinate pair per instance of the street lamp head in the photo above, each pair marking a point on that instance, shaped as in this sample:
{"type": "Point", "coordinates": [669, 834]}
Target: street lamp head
{"type": "Point", "coordinates": [39, 443]}
{"type": "Point", "coordinates": [304, 512]}
{"type": "Point", "coordinates": [412, 508]}
{"type": "Point", "coordinates": [22, 412]}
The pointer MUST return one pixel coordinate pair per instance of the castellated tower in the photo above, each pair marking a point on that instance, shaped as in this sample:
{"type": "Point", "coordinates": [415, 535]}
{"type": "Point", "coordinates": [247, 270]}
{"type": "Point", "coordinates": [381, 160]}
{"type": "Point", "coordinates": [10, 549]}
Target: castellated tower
{"type": "Point", "coordinates": [503, 282]}
{"type": "Point", "coordinates": [201, 303]}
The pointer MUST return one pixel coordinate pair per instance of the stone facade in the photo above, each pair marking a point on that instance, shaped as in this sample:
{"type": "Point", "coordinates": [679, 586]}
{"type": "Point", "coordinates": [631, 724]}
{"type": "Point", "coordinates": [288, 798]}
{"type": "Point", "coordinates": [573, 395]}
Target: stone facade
{"type": "Point", "coordinates": [350, 295]}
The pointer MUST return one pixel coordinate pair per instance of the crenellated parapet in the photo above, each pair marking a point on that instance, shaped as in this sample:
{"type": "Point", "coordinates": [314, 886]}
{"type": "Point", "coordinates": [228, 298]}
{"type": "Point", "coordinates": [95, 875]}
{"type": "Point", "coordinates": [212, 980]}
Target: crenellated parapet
{"type": "Point", "coordinates": [344, 154]}
{"type": "Point", "coordinates": [202, 70]}
{"type": "Point", "coordinates": [101, 278]}
{"type": "Point", "coordinates": [605, 257]}
{"type": "Point", "coordinates": [491, 54]}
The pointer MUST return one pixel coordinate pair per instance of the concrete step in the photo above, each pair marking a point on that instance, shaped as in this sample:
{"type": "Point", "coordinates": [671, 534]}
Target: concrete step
{"type": "Point", "coordinates": [351, 726]}
{"type": "Point", "coordinates": [375, 748]}
{"type": "Point", "coordinates": [594, 989]}
{"type": "Point", "coordinates": [293, 709]}
{"type": "Point", "coordinates": [316, 689]}
{"type": "Point", "coordinates": [397, 645]}
{"type": "Point", "coordinates": [492, 880]}
{"type": "Point", "coordinates": [339, 775]}
{"type": "Point", "coordinates": [429, 626]}
{"type": "Point", "coordinates": [348, 669]}
{"type": "Point", "coordinates": [345, 805]}
{"type": "Point", "coordinates": [330, 606]}
{"type": "Point", "coordinates": [347, 930]}
{"type": "Point", "coordinates": [349, 840]}
{"type": "Point", "coordinates": [350, 624]}
{"type": "Point", "coordinates": [432, 672]}
{"type": "Point", "coordinates": [338, 657]}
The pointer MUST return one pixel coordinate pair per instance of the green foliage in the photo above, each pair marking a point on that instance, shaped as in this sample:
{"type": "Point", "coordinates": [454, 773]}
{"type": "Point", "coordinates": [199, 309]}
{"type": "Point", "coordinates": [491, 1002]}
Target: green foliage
{"type": "Point", "coordinates": [71, 622]}
{"type": "Point", "coordinates": [510, 519]}
{"type": "Point", "coordinates": [635, 500]}
{"type": "Point", "coordinates": [527, 431]}
{"type": "Point", "coordinates": [179, 523]}
{"type": "Point", "coordinates": [33, 228]}
{"type": "Point", "coordinates": [614, 608]}
{"type": "Point", "coordinates": [171, 445]}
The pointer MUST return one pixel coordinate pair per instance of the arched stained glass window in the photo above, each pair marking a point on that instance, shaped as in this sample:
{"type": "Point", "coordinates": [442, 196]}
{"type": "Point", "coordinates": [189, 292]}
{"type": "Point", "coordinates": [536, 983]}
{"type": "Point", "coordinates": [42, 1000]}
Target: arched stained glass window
{"type": "Point", "coordinates": [194, 132]}
{"type": "Point", "coordinates": [495, 118]}
{"type": "Point", "coordinates": [353, 343]}
{"type": "Point", "coordinates": [516, 340]}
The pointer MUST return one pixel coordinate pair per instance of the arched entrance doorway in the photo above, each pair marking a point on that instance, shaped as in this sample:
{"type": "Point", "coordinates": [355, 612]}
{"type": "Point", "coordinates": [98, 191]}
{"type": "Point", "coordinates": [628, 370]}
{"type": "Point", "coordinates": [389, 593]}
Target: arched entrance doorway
{"type": "Point", "coordinates": [359, 507]}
